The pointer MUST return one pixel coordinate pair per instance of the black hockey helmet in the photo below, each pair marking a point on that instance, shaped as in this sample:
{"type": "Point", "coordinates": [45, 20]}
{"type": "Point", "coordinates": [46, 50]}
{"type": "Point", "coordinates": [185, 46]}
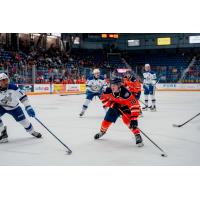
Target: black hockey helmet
{"type": "Point", "coordinates": [128, 74]}
{"type": "Point", "coordinates": [115, 80]}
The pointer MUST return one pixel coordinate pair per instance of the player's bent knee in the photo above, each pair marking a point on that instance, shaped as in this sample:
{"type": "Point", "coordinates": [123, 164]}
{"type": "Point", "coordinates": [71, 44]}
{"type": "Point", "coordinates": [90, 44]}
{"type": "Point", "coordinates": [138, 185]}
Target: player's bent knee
{"type": "Point", "coordinates": [18, 114]}
{"type": "Point", "coordinates": [112, 115]}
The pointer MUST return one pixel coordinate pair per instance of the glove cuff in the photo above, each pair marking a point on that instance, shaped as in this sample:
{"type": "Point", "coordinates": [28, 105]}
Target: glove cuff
{"type": "Point", "coordinates": [133, 118]}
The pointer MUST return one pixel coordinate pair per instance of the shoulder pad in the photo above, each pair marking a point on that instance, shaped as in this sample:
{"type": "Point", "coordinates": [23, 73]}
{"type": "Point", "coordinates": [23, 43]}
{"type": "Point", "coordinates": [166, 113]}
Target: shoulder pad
{"type": "Point", "coordinates": [125, 93]}
{"type": "Point", "coordinates": [90, 78]}
{"type": "Point", "coordinates": [12, 87]}
{"type": "Point", "coordinates": [101, 78]}
{"type": "Point", "coordinates": [152, 72]}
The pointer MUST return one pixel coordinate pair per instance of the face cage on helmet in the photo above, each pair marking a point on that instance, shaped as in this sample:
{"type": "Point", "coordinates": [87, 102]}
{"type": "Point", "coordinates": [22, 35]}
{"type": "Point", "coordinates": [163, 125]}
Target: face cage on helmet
{"type": "Point", "coordinates": [118, 84]}
{"type": "Point", "coordinates": [4, 79]}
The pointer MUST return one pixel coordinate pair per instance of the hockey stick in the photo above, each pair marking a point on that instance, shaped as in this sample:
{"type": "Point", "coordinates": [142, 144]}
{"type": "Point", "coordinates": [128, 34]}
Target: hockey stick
{"type": "Point", "coordinates": [69, 151]}
{"type": "Point", "coordinates": [180, 125]}
{"type": "Point", "coordinates": [163, 152]}
{"type": "Point", "coordinates": [142, 102]}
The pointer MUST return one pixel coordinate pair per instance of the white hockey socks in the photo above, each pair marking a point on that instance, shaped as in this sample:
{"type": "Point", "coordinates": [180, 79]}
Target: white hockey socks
{"type": "Point", "coordinates": [27, 125]}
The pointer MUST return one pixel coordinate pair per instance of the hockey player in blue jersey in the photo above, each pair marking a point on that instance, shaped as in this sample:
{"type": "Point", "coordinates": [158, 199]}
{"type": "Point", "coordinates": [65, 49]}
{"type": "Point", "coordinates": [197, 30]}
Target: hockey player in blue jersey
{"type": "Point", "coordinates": [94, 87]}
{"type": "Point", "coordinates": [10, 97]}
{"type": "Point", "coordinates": [149, 84]}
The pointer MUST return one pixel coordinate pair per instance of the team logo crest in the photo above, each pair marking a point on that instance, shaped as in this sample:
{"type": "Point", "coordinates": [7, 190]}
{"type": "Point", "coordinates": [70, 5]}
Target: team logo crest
{"type": "Point", "coordinates": [7, 99]}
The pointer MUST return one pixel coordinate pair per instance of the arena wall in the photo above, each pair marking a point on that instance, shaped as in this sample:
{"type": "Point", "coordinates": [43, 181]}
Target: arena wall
{"type": "Point", "coordinates": [62, 89]}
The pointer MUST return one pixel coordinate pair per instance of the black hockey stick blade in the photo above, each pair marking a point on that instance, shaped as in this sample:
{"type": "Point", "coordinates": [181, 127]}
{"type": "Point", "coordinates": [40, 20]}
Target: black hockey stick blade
{"type": "Point", "coordinates": [176, 125]}
{"type": "Point", "coordinates": [69, 151]}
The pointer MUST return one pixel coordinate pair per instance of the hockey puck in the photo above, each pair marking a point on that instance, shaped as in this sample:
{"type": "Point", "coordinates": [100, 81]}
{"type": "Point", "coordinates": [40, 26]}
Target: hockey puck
{"type": "Point", "coordinates": [164, 155]}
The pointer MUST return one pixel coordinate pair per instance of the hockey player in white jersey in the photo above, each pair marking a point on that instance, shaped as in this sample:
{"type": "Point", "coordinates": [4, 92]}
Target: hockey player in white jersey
{"type": "Point", "coordinates": [10, 97]}
{"type": "Point", "coordinates": [94, 87]}
{"type": "Point", "coordinates": [149, 84]}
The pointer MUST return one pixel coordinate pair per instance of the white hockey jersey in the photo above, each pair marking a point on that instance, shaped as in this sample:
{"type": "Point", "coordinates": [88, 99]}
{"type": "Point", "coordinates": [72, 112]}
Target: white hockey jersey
{"type": "Point", "coordinates": [10, 98]}
{"type": "Point", "coordinates": [149, 78]}
{"type": "Point", "coordinates": [95, 85]}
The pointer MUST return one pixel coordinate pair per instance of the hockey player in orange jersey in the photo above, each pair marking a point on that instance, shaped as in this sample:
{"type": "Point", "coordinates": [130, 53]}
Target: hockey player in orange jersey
{"type": "Point", "coordinates": [132, 84]}
{"type": "Point", "coordinates": [120, 101]}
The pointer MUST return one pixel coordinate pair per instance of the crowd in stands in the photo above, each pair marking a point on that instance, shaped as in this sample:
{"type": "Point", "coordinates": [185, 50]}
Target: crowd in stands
{"type": "Point", "coordinates": [193, 74]}
{"type": "Point", "coordinates": [89, 60]}
{"type": "Point", "coordinates": [168, 67]}
{"type": "Point", "coordinates": [52, 66]}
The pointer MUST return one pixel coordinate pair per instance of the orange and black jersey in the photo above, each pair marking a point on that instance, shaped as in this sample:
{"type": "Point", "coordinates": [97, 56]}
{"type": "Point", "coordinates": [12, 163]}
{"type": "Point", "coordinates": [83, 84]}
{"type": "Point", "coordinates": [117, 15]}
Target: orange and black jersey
{"type": "Point", "coordinates": [132, 84]}
{"type": "Point", "coordinates": [123, 100]}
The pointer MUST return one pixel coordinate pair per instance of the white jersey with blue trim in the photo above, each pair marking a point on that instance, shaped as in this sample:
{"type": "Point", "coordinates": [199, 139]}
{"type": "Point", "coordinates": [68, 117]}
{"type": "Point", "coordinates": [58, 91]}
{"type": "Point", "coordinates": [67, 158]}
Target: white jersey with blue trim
{"type": "Point", "coordinates": [149, 78]}
{"type": "Point", "coordinates": [95, 85]}
{"type": "Point", "coordinates": [10, 98]}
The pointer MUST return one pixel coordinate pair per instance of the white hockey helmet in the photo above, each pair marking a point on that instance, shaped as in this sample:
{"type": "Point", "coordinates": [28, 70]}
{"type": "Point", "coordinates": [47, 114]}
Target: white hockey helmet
{"type": "Point", "coordinates": [3, 76]}
{"type": "Point", "coordinates": [147, 65]}
{"type": "Point", "coordinates": [95, 71]}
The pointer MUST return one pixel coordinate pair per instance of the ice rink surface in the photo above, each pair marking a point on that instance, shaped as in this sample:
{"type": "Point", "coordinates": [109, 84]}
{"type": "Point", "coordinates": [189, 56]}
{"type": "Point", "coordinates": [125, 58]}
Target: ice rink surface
{"type": "Point", "coordinates": [60, 114]}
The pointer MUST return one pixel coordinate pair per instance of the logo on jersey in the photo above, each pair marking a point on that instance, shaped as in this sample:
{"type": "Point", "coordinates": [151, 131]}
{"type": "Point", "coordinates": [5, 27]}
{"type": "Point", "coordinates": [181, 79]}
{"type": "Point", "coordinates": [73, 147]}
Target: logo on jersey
{"type": "Point", "coordinates": [7, 99]}
{"type": "Point", "coordinates": [127, 94]}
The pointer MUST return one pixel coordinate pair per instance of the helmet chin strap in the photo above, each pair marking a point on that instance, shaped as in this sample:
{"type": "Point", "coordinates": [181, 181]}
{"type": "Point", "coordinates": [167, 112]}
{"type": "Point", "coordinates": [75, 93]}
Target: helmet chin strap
{"type": "Point", "coordinates": [117, 94]}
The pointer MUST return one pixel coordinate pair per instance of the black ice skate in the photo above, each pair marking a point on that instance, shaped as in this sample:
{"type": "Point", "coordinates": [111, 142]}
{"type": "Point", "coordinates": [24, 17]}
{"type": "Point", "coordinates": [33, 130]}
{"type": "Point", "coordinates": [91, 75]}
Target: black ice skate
{"type": "Point", "coordinates": [139, 140]}
{"type": "Point", "coordinates": [36, 134]}
{"type": "Point", "coordinates": [4, 136]}
{"type": "Point", "coordinates": [98, 135]}
{"type": "Point", "coordinates": [82, 113]}
{"type": "Point", "coordinates": [153, 108]}
{"type": "Point", "coordinates": [145, 108]}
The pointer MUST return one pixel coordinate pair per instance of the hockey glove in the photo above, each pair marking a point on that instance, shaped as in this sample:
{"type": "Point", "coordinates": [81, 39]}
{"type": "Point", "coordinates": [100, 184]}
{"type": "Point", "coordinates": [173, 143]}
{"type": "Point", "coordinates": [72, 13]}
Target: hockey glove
{"type": "Point", "coordinates": [133, 124]}
{"type": "Point", "coordinates": [30, 111]}
{"type": "Point", "coordinates": [115, 105]}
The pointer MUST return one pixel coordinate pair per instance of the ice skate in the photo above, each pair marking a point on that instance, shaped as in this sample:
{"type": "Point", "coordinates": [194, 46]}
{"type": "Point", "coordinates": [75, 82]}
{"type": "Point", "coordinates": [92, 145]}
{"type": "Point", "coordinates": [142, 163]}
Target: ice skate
{"type": "Point", "coordinates": [4, 136]}
{"type": "Point", "coordinates": [145, 108]}
{"type": "Point", "coordinates": [36, 134]}
{"type": "Point", "coordinates": [139, 141]}
{"type": "Point", "coordinates": [153, 108]}
{"type": "Point", "coordinates": [98, 135]}
{"type": "Point", "coordinates": [82, 113]}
